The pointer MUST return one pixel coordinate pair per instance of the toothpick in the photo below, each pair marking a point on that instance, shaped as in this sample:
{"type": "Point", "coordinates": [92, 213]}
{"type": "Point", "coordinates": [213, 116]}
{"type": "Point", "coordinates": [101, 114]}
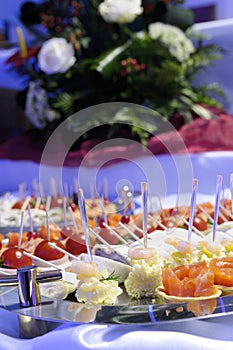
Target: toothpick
{"type": "Point", "coordinates": [73, 220]}
{"type": "Point", "coordinates": [158, 223]}
{"type": "Point", "coordinates": [20, 229]}
{"type": "Point", "coordinates": [115, 234]}
{"type": "Point", "coordinates": [199, 233]}
{"type": "Point", "coordinates": [192, 208]}
{"type": "Point", "coordinates": [137, 228]}
{"type": "Point", "coordinates": [103, 209]}
{"type": "Point", "coordinates": [64, 212]}
{"type": "Point", "coordinates": [48, 203]}
{"type": "Point", "coordinates": [41, 188]}
{"type": "Point", "coordinates": [101, 239]}
{"type": "Point", "coordinates": [227, 212]}
{"type": "Point", "coordinates": [144, 191]}
{"type": "Point", "coordinates": [92, 190]}
{"type": "Point", "coordinates": [105, 189]}
{"type": "Point", "coordinates": [160, 206]}
{"type": "Point", "coordinates": [231, 190]}
{"type": "Point", "coordinates": [36, 258]}
{"type": "Point", "coordinates": [53, 188]}
{"type": "Point", "coordinates": [22, 191]}
{"type": "Point", "coordinates": [216, 207]}
{"type": "Point", "coordinates": [30, 218]}
{"type": "Point", "coordinates": [25, 203]}
{"type": "Point", "coordinates": [83, 214]}
{"type": "Point", "coordinates": [207, 214]}
{"type": "Point", "coordinates": [38, 202]}
{"type": "Point", "coordinates": [47, 226]}
{"type": "Point", "coordinates": [63, 251]}
{"type": "Point", "coordinates": [131, 233]}
{"type": "Point", "coordinates": [66, 190]}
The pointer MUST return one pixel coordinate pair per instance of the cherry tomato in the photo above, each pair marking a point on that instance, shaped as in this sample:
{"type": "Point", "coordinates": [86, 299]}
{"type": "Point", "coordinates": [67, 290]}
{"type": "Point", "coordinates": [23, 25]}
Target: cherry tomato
{"type": "Point", "coordinates": [125, 219]}
{"type": "Point", "coordinates": [66, 232]}
{"type": "Point", "coordinates": [76, 244]}
{"type": "Point", "coordinates": [199, 223]}
{"type": "Point", "coordinates": [42, 207]}
{"type": "Point", "coordinates": [56, 202]}
{"type": "Point", "coordinates": [174, 211]}
{"type": "Point", "coordinates": [31, 235]}
{"type": "Point", "coordinates": [17, 205]}
{"type": "Point", "coordinates": [101, 222]}
{"type": "Point", "coordinates": [73, 206]}
{"type": "Point", "coordinates": [46, 252]}
{"type": "Point", "coordinates": [14, 258]}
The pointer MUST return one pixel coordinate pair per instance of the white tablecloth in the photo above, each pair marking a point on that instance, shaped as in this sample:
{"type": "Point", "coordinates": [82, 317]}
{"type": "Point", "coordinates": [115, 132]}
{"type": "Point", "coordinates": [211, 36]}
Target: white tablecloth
{"type": "Point", "coordinates": [213, 334]}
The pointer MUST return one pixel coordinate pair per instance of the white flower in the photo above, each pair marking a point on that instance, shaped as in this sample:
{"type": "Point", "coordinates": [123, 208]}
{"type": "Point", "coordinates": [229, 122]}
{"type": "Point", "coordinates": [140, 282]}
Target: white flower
{"type": "Point", "coordinates": [120, 11]}
{"type": "Point", "coordinates": [56, 56]}
{"type": "Point", "coordinates": [174, 38]}
{"type": "Point", "coordinates": [37, 109]}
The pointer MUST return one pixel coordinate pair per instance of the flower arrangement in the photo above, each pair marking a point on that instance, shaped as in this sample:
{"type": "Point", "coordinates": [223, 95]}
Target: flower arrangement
{"type": "Point", "coordinates": [97, 51]}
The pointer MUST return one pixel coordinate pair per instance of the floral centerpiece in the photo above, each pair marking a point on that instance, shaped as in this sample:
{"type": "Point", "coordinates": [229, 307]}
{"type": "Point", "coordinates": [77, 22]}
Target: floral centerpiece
{"type": "Point", "coordinates": [97, 51]}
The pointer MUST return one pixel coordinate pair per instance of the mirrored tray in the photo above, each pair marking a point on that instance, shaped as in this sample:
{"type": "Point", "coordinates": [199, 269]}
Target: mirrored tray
{"type": "Point", "coordinates": [125, 312]}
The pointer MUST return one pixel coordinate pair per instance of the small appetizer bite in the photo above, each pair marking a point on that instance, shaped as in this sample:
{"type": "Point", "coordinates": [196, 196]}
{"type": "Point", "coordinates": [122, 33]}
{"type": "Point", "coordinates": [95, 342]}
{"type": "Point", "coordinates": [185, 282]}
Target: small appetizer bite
{"type": "Point", "coordinates": [187, 282]}
{"type": "Point", "coordinates": [222, 269]}
{"type": "Point", "coordinates": [145, 275]}
{"type": "Point", "coordinates": [46, 252]}
{"type": "Point", "coordinates": [95, 287]}
{"type": "Point", "coordinates": [14, 258]}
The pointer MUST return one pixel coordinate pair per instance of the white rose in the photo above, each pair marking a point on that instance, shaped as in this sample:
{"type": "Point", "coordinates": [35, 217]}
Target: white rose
{"type": "Point", "coordinates": [56, 56]}
{"type": "Point", "coordinates": [120, 11]}
{"type": "Point", "coordinates": [174, 38]}
{"type": "Point", "coordinates": [37, 108]}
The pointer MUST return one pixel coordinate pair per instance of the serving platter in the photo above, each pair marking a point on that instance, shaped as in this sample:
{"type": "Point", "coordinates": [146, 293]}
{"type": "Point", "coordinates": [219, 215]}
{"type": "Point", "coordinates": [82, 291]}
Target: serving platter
{"type": "Point", "coordinates": [53, 312]}
{"type": "Point", "coordinates": [125, 312]}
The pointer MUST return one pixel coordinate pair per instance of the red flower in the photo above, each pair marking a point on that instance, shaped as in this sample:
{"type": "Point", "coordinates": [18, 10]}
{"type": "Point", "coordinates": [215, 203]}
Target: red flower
{"type": "Point", "coordinates": [17, 60]}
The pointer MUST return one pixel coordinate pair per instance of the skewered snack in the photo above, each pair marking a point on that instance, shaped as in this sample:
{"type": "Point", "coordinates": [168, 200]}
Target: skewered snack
{"type": "Point", "coordinates": [223, 273]}
{"type": "Point", "coordinates": [14, 258]}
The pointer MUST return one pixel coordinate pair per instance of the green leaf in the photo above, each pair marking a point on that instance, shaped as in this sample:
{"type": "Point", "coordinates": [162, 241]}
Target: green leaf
{"type": "Point", "coordinates": [203, 112]}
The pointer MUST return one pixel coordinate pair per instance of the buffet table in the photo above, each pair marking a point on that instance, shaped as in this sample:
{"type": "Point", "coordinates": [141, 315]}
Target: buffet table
{"type": "Point", "coordinates": [203, 157]}
{"type": "Point", "coordinates": [208, 153]}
